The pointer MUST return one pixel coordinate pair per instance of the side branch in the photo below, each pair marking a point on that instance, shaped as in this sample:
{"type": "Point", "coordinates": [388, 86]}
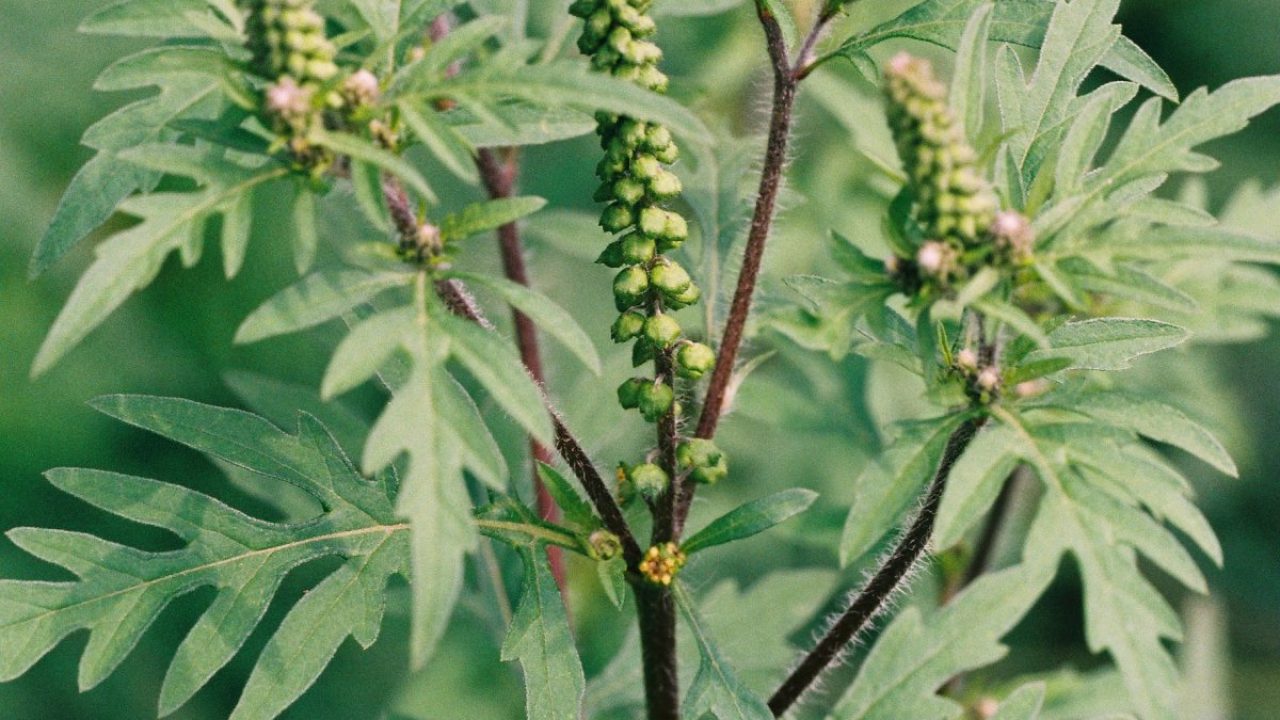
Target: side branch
{"type": "Point", "coordinates": [499, 175]}
{"type": "Point", "coordinates": [882, 585]}
{"type": "Point", "coordinates": [462, 304]}
{"type": "Point", "coordinates": [780, 120]}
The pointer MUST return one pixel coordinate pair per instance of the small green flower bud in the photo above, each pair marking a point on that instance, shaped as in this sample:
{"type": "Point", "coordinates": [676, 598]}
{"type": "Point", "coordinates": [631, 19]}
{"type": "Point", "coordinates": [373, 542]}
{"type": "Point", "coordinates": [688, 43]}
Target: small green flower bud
{"type": "Point", "coordinates": [662, 330]}
{"type": "Point", "coordinates": [603, 545]}
{"type": "Point", "coordinates": [669, 278]}
{"type": "Point", "coordinates": [616, 218]}
{"type": "Point", "coordinates": [583, 8]}
{"type": "Point", "coordinates": [631, 132]}
{"type": "Point", "coordinates": [698, 453]}
{"type": "Point", "coordinates": [694, 360]}
{"type": "Point", "coordinates": [667, 154]}
{"type": "Point", "coordinates": [628, 191]}
{"type": "Point", "coordinates": [628, 326]}
{"type": "Point", "coordinates": [656, 400]}
{"type": "Point", "coordinates": [612, 255]}
{"type": "Point", "coordinates": [654, 79]}
{"type": "Point", "coordinates": [638, 249]}
{"type": "Point", "coordinates": [684, 299]}
{"type": "Point", "coordinates": [649, 480]}
{"type": "Point", "coordinates": [665, 185]}
{"type": "Point", "coordinates": [630, 391]}
{"type": "Point", "coordinates": [657, 137]}
{"type": "Point", "coordinates": [710, 475]}
{"type": "Point", "coordinates": [653, 221]}
{"type": "Point", "coordinates": [645, 167]}
{"type": "Point", "coordinates": [630, 287]}
{"type": "Point", "coordinates": [620, 40]}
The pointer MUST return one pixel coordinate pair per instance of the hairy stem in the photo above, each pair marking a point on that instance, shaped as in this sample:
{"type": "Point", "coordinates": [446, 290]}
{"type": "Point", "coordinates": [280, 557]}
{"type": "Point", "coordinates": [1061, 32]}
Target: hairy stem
{"type": "Point", "coordinates": [656, 610]}
{"type": "Point", "coordinates": [871, 599]}
{"type": "Point", "coordinates": [500, 172]}
{"type": "Point", "coordinates": [786, 80]}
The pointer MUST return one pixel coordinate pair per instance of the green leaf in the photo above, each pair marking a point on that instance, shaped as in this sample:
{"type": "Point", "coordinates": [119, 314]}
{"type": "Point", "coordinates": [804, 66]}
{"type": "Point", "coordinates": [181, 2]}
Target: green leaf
{"type": "Point", "coordinates": [751, 518]}
{"type": "Point", "coordinates": [317, 298]}
{"type": "Point", "coordinates": [1023, 703]}
{"type": "Point", "coordinates": [1158, 421]}
{"type": "Point", "coordinates": [360, 149]}
{"type": "Point", "coordinates": [541, 640]}
{"type": "Point", "coordinates": [106, 180]}
{"type": "Point", "coordinates": [519, 125]}
{"type": "Point", "coordinates": [889, 484]}
{"type": "Point", "coordinates": [119, 590]}
{"type": "Point", "coordinates": [576, 510]}
{"type": "Point", "coordinates": [1079, 35]}
{"type": "Point", "coordinates": [553, 319]}
{"type": "Point", "coordinates": [499, 369]}
{"type": "Point", "coordinates": [693, 8]}
{"type": "Point", "coordinates": [969, 81]}
{"type": "Point", "coordinates": [433, 495]}
{"type": "Point", "coordinates": [1124, 614]}
{"type": "Point", "coordinates": [148, 18]}
{"type": "Point", "coordinates": [917, 654]}
{"type": "Point", "coordinates": [1162, 243]}
{"type": "Point", "coordinates": [974, 484]}
{"type": "Point", "coordinates": [306, 239]}
{"type": "Point", "coordinates": [1109, 343]}
{"type": "Point", "coordinates": [1020, 22]}
{"type": "Point", "coordinates": [572, 85]}
{"type": "Point", "coordinates": [444, 142]}
{"type": "Point", "coordinates": [1150, 147]}
{"type": "Point", "coordinates": [130, 260]}
{"type": "Point", "coordinates": [716, 688]}
{"type": "Point", "coordinates": [482, 217]}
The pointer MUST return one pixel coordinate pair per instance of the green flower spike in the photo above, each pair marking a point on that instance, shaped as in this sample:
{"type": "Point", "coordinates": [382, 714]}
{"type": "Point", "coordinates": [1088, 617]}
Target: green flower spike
{"type": "Point", "coordinates": [954, 203]}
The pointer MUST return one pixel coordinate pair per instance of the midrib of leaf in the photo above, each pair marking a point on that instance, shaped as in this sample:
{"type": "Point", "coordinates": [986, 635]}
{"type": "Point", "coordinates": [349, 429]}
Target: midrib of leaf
{"type": "Point", "coordinates": [533, 531]}
{"type": "Point", "coordinates": [387, 530]}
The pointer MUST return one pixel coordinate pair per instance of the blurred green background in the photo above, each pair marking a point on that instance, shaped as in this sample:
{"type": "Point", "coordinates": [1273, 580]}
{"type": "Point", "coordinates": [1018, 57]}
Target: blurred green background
{"type": "Point", "coordinates": [801, 421]}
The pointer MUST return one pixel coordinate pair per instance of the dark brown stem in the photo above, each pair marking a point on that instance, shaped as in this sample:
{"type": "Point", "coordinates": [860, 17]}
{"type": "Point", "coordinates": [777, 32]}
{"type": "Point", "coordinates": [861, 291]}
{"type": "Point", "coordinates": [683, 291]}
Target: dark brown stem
{"type": "Point", "coordinates": [500, 176]}
{"type": "Point", "coordinates": [786, 79]}
{"type": "Point", "coordinates": [664, 509]}
{"type": "Point", "coordinates": [871, 599]}
{"type": "Point", "coordinates": [656, 611]}
{"type": "Point", "coordinates": [462, 304]}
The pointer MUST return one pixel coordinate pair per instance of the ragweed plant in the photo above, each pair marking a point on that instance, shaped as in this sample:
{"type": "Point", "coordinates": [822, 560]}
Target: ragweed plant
{"type": "Point", "coordinates": [1011, 267]}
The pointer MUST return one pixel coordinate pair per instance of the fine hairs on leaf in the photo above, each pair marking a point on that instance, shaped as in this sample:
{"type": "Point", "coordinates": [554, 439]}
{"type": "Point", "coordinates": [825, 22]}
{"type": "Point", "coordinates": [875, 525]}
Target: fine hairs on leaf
{"type": "Point", "coordinates": [983, 324]}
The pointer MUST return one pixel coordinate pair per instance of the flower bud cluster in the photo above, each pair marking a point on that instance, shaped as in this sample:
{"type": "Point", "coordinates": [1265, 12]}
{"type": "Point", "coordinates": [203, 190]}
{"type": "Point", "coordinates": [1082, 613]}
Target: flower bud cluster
{"type": "Point", "coordinates": [983, 382]}
{"type": "Point", "coordinates": [287, 37]}
{"type": "Point", "coordinates": [635, 182]}
{"type": "Point", "coordinates": [307, 90]}
{"type": "Point", "coordinates": [955, 205]}
{"type": "Point", "coordinates": [662, 562]}
{"type": "Point", "coordinates": [704, 461]}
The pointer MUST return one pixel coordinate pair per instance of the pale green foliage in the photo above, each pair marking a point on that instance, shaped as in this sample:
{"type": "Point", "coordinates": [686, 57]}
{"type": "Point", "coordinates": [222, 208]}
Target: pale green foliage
{"type": "Point", "coordinates": [751, 518]}
{"type": "Point", "coordinates": [541, 640]}
{"type": "Point", "coordinates": [1105, 245]}
{"type": "Point", "coordinates": [1117, 271]}
{"type": "Point", "coordinates": [716, 689]}
{"type": "Point", "coordinates": [119, 591]}
{"type": "Point", "coordinates": [916, 654]}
